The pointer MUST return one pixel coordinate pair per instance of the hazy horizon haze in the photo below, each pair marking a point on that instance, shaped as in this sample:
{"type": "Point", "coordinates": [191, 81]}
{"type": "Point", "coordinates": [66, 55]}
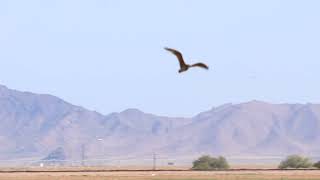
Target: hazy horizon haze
{"type": "Point", "coordinates": [108, 56]}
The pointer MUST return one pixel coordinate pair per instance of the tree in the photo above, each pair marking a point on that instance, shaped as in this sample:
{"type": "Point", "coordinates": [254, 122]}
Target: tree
{"type": "Point", "coordinates": [295, 161]}
{"type": "Point", "coordinates": [317, 164]}
{"type": "Point", "coordinates": [222, 163]}
{"type": "Point", "coordinates": [203, 163]}
{"type": "Point", "coordinates": [210, 163]}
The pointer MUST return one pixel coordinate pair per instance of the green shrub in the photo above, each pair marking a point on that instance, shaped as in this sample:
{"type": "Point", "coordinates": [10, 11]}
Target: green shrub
{"type": "Point", "coordinates": [317, 164]}
{"type": "Point", "coordinates": [210, 163]}
{"type": "Point", "coordinates": [295, 161]}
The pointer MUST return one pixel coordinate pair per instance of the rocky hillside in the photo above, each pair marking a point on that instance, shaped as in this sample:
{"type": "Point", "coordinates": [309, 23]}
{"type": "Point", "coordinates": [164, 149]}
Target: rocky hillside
{"type": "Point", "coordinates": [34, 125]}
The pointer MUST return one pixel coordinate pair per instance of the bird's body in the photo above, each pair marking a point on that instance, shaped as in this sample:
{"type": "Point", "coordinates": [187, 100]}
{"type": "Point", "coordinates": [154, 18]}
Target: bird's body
{"type": "Point", "coordinates": [183, 65]}
{"type": "Point", "coordinates": [184, 68]}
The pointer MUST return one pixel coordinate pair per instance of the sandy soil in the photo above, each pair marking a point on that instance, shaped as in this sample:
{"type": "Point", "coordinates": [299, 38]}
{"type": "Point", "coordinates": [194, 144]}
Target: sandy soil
{"type": "Point", "coordinates": [165, 175]}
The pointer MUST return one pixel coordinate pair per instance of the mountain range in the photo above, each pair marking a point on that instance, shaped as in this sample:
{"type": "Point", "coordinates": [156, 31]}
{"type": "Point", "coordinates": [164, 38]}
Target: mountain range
{"type": "Point", "coordinates": [35, 125]}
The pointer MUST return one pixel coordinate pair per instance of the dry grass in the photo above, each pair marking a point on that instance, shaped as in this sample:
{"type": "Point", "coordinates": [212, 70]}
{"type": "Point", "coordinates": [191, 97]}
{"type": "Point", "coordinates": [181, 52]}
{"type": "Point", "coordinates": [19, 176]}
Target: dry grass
{"type": "Point", "coordinates": [166, 175]}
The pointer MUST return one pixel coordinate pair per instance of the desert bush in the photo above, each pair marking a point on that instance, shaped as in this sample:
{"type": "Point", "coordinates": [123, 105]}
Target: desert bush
{"type": "Point", "coordinates": [317, 164]}
{"type": "Point", "coordinates": [295, 161]}
{"type": "Point", "coordinates": [210, 163]}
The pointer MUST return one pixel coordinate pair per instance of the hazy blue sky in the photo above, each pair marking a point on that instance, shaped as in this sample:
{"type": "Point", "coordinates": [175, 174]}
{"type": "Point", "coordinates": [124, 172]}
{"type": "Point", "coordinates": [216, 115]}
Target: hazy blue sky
{"type": "Point", "coordinates": [108, 55]}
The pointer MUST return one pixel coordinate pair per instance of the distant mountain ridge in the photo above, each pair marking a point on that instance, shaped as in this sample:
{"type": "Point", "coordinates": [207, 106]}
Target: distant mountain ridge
{"type": "Point", "coordinates": [36, 125]}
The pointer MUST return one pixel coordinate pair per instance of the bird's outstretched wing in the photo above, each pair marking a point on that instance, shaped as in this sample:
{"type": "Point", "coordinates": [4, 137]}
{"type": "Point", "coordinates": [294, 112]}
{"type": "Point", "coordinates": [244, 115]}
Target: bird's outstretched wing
{"type": "Point", "coordinates": [202, 65]}
{"type": "Point", "coordinates": [179, 56]}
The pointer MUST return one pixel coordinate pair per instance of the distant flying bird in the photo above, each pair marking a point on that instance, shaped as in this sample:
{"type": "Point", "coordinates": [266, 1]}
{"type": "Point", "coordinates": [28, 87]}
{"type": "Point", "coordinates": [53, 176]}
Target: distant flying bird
{"type": "Point", "coordinates": [183, 65]}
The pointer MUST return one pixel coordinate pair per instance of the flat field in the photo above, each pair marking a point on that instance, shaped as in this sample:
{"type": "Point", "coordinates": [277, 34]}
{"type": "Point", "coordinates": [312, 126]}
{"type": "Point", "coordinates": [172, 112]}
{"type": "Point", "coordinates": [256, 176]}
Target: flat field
{"type": "Point", "coordinates": [166, 175]}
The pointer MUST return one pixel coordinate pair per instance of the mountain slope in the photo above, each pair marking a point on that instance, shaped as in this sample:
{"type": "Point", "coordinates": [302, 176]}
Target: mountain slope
{"type": "Point", "coordinates": [33, 125]}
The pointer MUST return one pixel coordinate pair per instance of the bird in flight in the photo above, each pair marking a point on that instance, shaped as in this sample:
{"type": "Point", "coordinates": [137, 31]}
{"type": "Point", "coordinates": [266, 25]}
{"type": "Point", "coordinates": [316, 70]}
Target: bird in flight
{"type": "Point", "coordinates": [183, 65]}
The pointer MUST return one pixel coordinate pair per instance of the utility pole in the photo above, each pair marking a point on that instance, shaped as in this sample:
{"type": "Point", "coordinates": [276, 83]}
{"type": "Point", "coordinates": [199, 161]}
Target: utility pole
{"type": "Point", "coordinates": [82, 154]}
{"type": "Point", "coordinates": [154, 161]}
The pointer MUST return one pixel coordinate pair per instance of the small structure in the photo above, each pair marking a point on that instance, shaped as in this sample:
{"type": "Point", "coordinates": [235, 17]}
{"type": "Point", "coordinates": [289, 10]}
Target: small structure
{"type": "Point", "coordinates": [55, 158]}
